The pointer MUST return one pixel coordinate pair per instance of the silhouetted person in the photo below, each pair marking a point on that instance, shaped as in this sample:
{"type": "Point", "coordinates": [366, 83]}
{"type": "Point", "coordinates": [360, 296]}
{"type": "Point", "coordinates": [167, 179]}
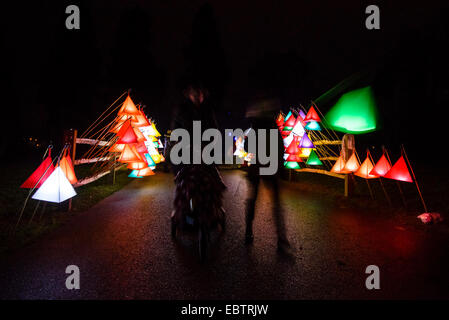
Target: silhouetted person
{"type": "Point", "coordinates": [261, 115]}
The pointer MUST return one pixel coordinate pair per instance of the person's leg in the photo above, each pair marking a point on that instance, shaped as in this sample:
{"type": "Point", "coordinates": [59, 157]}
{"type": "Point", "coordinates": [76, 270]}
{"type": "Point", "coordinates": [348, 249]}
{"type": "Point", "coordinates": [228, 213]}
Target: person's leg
{"type": "Point", "coordinates": [253, 187]}
{"type": "Point", "coordinates": [278, 214]}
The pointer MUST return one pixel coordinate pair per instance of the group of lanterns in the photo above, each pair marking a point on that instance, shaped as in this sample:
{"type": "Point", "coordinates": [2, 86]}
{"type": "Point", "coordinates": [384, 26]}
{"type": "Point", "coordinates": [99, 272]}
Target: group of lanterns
{"type": "Point", "coordinates": [383, 168]}
{"type": "Point", "coordinates": [137, 140]}
{"type": "Point", "coordinates": [297, 142]}
{"type": "Point", "coordinates": [53, 183]}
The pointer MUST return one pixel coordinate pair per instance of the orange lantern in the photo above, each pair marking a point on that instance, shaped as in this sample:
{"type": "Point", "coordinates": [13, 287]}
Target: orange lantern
{"type": "Point", "coordinates": [130, 154]}
{"type": "Point", "coordinates": [128, 108]}
{"type": "Point", "coordinates": [68, 170]}
{"type": "Point", "coordinates": [117, 147]}
{"type": "Point", "coordinates": [352, 165]}
{"type": "Point", "coordinates": [365, 169]}
{"type": "Point", "coordinates": [137, 165]}
{"type": "Point", "coordinates": [127, 134]}
{"type": "Point", "coordinates": [339, 165]}
{"type": "Point", "coordinates": [145, 172]}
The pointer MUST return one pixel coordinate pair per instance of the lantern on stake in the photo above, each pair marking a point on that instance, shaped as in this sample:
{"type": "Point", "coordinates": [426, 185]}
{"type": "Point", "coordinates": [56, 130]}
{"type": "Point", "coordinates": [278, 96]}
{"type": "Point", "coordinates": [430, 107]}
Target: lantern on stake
{"type": "Point", "coordinates": [133, 174]}
{"type": "Point", "coordinates": [399, 171]}
{"type": "Point", "coordinates": [366, 168]}
{"type": "Point", "coordinates": [306, 142]}
{"type": "Point", "coordinates": [145, 172]}
{"type": "Point", "coordinates": [339, 165]}
{"type": "Point", "coordinates": [38, 177]}
{"type": "Point", "coordinates": [128, 108]}
{"type": "Point", "coordinates": [312, 115]}
{"type": "Point", "coordinates": [127, 134]}
{"type": "Point", "coordinates": [382, 167]}
{"type": "Point", "coordinates": [56, 188]}
{"type": "Point", "coordinates": [313, 159]}
{"type": "Point", "coordinates": [68, 169]}
{"type": "Point", "coordinates": [352, 165]}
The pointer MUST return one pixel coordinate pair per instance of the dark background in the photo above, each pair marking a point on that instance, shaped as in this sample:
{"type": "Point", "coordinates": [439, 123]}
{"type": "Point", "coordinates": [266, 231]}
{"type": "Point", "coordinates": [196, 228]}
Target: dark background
{"type": "Point", "coordinates": [57, 78]}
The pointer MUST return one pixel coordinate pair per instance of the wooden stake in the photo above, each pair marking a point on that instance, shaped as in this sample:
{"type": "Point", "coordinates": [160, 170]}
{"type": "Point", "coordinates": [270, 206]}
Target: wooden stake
{"type": "Point", "coordinates": [414, 179]}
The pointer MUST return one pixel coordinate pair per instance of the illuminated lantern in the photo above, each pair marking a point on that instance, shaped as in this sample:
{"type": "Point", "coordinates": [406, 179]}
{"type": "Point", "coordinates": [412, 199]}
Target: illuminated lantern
{"type": "Point", "coordinates": [382, 167]}
{"type": "Point", "coordinates": [150, 160]}
{"type": "Point", "coordinates": [127, 134]}
{"type": "Point", "coordinates": [68, 170]}
{"type": "Point", "coordinates": [137, 165]}
{"type": "Point", "coordinates": [117, 147]}
{"type": "Point", "coordinates": [128, 108]}
{"type": "Point", "coordinates": [313, 125]}
{"type": "Point", "coordinates": [298, 129]}
{"type": "Point", "coordinates": [312, 115]}
{"type": "Point", "coordinates": [399, 171]}
{"type": "Point", "coordinates": [41, 174]}
{"type": "Point", "coordinates": [141, 147]}
{"type": "Point", "coordinates": [306, 142]}
{"type": "Point", "coordinates": [139, 135]}
{"type": "Point", "coordinates": [160, 144]}
{"type": "Point", "coordinates": [339, 165]}
{"type": "Point", "coordinates": [302, 114]}
{"type": "Point", "coordinates": [130, 154]}
{"type": "Point", "coordinates": [293, 147]}
{"type": "Point", "coordinates": [153, 131]}
{"type": "Point", "coordinates": [291, 165]}
{"type": "Point", "coordinates": [133, 174]}
{"type": "Point", "coordinates": [293, 158]}
{"type": "Point", "coordinates": [156, 158]}
{"type": "Point", "coordinates": [117, 126]}
{"type": "Point", "coordinates": [290, 122]}
{"type": "Point", "coordinates": [288, 116]}
{"type": "Point", "coordinates": [313, 159]}
{"type": "Point", "coordinates": [141, 121]}
{"type": "Point", "coordinates": [365, 169]}
{"type": "Point", "coordinates": [280, 120]}
{"type": "Point", "coordinates": [285, 134]}
{"type": "Point", "coordinates": [352, 165]}
{"type": "Point", "coordinates": [162, 158]}
{"type": "Point", "coordinates": [56, 188]}
{"type": "Point", "coordinates": [288, 140]}
{"type": "Point", "coordinates": [355, 112]}
{"type": "Point", "coordinates": [145, 172]}
{"type": "Point", "coordinates": [305, 152]}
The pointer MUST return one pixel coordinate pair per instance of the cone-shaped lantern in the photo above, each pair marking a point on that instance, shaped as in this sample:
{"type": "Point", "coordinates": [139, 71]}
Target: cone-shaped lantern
{"type": "Point", "coordinates": [339, 165]}
{"type": "Point", "coordinates": [288, 116]}
{"type": "Point", "coordinates": [399, 171]}
{"type": "Point", "coordinates": [280, 120]}
{"type": "Point", "coordinates": [137, 165]}
{"type": "Point", "coordinates": [382, 167]}
{"type": "Point", "coordinates": [355, 112]}
{"type": "Point", "coordinates": [291, 165]}
{"type": "Point", "coordinates": [153, 131]}
{"type": "Point", "coordinates": [365, 168]}
{"type": "Point", "coordinates": [68, 170]}
{"type": "Point", "coordinates": [352, 165]}
{"type": "Point", "coordinates": [312, 115]}
{"type": "Point", "coordinates": [39, 175]}
{"type": "Point", "coordinates": [127, 134]}
{"type": "Point", "coordinates": [141, 121]}
{"type": "Point", "coordinates": [293, 158]}
{"type": "Point", "coordinates": [313, 159]}
{"type": "Point", "coordinates": [117, 126]}
{"type": "Point", "coordinates": [133, 174]}
{"type": "Point", "coordinates": [150, 160]}
{"type": "Point", "coordinates": [117, 147]}
{"type": "Point", "coordinates": [130, 154]}
{"type": "Point", "coordinates": [145, 172]}
{"type": "Point", "coordinates": [290, 122]}
{"type": "Point", "coordinates": [313, 125]}
{"type": "Point", "coordinates": [128, 108]}
{"type": "Point", "coordinates": [56, 188]}
{"type": "Point", "coordinates": [306, 142]}
{"type": "Point", "coordinates": [293, 147]}
{"type": "Point", "coordinates": [298, 129]}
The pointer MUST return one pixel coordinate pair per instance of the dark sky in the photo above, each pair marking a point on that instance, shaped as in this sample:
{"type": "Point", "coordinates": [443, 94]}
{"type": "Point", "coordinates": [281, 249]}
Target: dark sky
{"type": "Point", "coordinates": [58, 78]}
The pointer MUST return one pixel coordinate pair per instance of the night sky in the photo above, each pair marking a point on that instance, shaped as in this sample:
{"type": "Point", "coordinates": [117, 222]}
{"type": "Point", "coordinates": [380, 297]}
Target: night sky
{"type": "Point", "coordinates": [58, 78]}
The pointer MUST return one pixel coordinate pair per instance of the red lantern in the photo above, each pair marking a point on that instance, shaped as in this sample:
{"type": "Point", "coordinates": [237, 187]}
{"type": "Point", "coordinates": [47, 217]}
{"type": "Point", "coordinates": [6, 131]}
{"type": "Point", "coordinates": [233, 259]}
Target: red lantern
{"type": "Point", "coordinates": [42, 172]}
{"type": "Point", "coordinates": [399, 171]}
{"type": "Point", "coordinates": [312, 115]}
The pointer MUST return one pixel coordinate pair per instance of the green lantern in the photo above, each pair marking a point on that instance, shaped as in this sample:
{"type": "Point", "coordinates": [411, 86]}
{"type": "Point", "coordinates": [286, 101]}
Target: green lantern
{"type": "Point", "coordinates": [355, 112]}
{"type": "Point", "coordinates": [313, 159]}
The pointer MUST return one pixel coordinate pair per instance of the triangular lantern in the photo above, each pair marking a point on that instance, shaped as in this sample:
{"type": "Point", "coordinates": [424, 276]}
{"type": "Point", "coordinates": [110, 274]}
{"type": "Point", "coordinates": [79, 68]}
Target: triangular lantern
{"type": "Point", "coordinates": [56, 188]}
{"type": "Point", "coordinates": [128, 108]}
{"type": "Point", "coordinates": [313, 159]}
{"type": "Point", "coordinates": [150, 160]}
{"type": "Point", "coordinates": [290, 122]}
{"type": "Point", "coordinates": [130, 154]}
{"type": "Point", "coordinates": [365, 168]}
{"type": "Point", "coordinates": [291, 165]}
{"type": "Point", "coordinates": [133, 174]}
{"type": "Point", "coordinates": [399, 171]}
{"type": "Point", "coordinates": [312, 115]}
{"type": "Point", "coordinates": [293, 158]}
{"type": "Point", "coordinates": [280, 120]}
{"type": "Point", "coordinates": [117, 147]}
{"type": "Point", "coordinates": [306, 142]}
{"type": "Point", "coordinates": [382, 167]}
{"type": "Point", "coordinates": [137, 165]}
{"type": "Point", "coordinates": [293, 147]}
{"type": "Point", "coordinates": [68, 170]}
{"type": "Point", "coordinates": [127, 134]}
{"type": "Point", "coordinates": [145, 172]}
{"type": "Point", "coordinates": [352, 165]}
{"type": "Point", "coordinates": [313, 125]}
{"type": "Point", "coordinates": [39, 175]}
{"type": "Point", "coordinates": [298, 129]}
{"type": "Point", "coordinates": [339, 165]}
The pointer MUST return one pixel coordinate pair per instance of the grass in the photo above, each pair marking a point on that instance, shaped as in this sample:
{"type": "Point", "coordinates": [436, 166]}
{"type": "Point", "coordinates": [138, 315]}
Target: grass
{"type": "Point", "coordinates": [48, 216]}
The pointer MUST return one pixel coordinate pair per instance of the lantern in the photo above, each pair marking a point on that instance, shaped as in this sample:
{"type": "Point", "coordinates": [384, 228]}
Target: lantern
{"type": "Point", "coordinates": [128, 108]}
{"type": "Point", "coordinates": [133, 174]}
{"type": "Point", "coordinates": [313, 159]}
{"type": "Point", "coordinates": [313, 125]}
{"type": "Point", "coordinates": [365, 169]}
{"type": "Point", "coordinates": [306, 142]}
{"type": "Point", "coordinates": [68, 170]}
{"type": "Point", "coordinates": [127, 134]}
{"type": "Point", "coordinates": [382, 167]}
{"type": "Point", "coordinates": [339, 165]}
{"type": "Point", "coordinates": [41, 174]}
{"type": "Point", "coordinates": [130, 154]}
{"type": "Point", "coordinates": [352, 165]}
{"type": "Point", "coordinates": [399, 171]}
{"type": "Point", "coordinates": [312, 115]}
{"type": "Point", "coordinates": [145, 172]}
{"type": "Point", "coordinates": [56, 188]}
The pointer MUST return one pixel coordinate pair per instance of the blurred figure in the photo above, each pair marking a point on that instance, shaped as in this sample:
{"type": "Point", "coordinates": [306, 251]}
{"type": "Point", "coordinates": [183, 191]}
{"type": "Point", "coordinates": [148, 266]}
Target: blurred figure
{"type": "Point", "coordinates": [261, 116]}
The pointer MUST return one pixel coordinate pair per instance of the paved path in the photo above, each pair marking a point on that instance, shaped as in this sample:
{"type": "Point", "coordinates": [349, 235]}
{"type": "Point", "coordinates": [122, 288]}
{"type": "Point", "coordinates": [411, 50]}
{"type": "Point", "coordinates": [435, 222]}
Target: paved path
{"type": "Point", "coordinates": [124, 251]}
